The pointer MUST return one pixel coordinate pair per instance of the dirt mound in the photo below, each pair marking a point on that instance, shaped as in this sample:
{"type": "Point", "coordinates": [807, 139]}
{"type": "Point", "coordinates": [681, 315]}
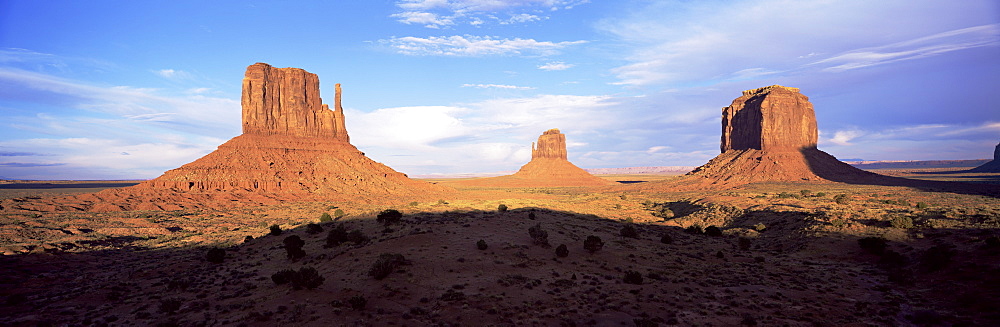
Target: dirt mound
{"type": "Point", "coordinates": [992, 166]}
{"type": "Point", "coordinates": [548, 168]}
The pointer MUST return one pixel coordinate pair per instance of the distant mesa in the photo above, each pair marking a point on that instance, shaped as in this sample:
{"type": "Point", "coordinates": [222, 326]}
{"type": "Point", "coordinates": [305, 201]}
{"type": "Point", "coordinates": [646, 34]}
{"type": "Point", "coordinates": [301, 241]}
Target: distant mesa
{"type": "Point", "coordinates": [992, 166]}
{"type": "Point", "coordinates": [548, 167]}
{"type": "Point", "coordinates": [769, 134]}
{"type": "Point", "coordinates": [292, 147]}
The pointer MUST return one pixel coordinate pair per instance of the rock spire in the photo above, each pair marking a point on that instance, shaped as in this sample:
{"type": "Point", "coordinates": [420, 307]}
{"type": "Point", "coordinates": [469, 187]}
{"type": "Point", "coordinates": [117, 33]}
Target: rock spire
{"type": "Point", "coordinates": [548, 167]}
{"type": "Point", "coordinates": [551, 144]}
{"type": "Point", "coordinates": [772, 118]}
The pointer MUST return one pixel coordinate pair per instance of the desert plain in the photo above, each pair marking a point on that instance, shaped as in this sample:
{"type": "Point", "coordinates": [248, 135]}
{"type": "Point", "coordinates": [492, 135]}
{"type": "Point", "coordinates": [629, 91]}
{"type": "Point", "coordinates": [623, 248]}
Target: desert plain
{"type": "Point", "coordinates": [290, 224]}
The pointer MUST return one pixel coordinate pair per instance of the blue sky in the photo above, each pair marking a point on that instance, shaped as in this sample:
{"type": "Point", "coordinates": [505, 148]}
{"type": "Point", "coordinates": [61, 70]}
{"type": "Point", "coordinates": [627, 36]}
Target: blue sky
{"type": "Point", "coordinates": [129, 89]}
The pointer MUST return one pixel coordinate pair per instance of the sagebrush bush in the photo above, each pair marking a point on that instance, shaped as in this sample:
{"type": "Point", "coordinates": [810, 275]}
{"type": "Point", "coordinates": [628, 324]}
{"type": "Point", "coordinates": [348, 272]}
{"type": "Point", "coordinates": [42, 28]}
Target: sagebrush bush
{"type": "Point", "coordinates": [215, 255]}
{"type": "Point", "coordinates": [357, 302]}
{"type": "Point", "coordinates": [247, 239]}
{"type": "Point", "coordinates": [325, 218]}
{"type": "Point", "coordinates": [562, 251]}
{"type": "Point", "coordinates": [874, 245]}
{"type": "Point", "coordinates": [633, 277]}
{"type": "Point", "coordinates": [282, 276]}
{"type": "Point", "coordinates": [901, 222]}
{"type": "Point", "coordinates": [538, 235]}
{"type": "Point", "coordinates": [293, 246]}
{"type": "Point", "coordinates": [313, 228]}
{"type": "Point", "coordinates": [339, 235]}
{"type": "Point", "coordinates": [531, 215]}
{"type": "Point", "coordinates": [386, 264]}
{"type": "Point", "coordinates": [629, 231]}
{"type": "Point", "coordinates": [389, 217]}
{"type": "Point", "coordinates": [694, 229]}
{"type": "Point", "coordinates": [502, 208]}
{"type": "Point", "coordinates": [666, 239]}
{"type": "Point", "coordinates": [306, 277]}
{"type": "Point", "coordinates": [713, 231]}
{"type": "Point", "coordinates": [482, 245]}
{"type": "Point", "coordinates": [339, 213]}
{"type": "Point", "coordinates": [593, 243]}
{"type": "Point", "coordinates": [841, 199]}
{"type": "Point", "coordinates": [275, 230]}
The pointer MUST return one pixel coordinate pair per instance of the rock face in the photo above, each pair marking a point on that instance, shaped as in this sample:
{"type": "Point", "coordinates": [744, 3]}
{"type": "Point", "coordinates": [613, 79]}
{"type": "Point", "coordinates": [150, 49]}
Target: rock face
{"type": "Point", "coordinates": [285, 101]}
{"type": "Point", "coordinates": [292, 146]}
{"type": "Point", "coordinates": [548, 168]}
{"type": "Point", "coordinates": [992, 166]}
{"type": "Point", "coordinates": [772, 118]}
{"type": "Point", "coordinates": [769, 134]}
{"type": "Point", "coordinates": [551, 144]}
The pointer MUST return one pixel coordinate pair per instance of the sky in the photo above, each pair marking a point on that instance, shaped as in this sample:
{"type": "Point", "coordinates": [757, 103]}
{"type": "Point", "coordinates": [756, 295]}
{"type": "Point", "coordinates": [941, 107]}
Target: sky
{"type": "Point", "coordinates": [129, 89]}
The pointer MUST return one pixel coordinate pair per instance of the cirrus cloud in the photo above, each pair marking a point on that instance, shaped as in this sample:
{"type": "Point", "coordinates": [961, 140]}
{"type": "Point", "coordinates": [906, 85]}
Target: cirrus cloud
{"type": "Point", "coordinates": [473, 46]}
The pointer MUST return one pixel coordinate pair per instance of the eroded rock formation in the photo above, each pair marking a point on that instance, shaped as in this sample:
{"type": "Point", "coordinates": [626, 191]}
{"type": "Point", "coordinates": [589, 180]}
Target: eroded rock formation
{"type": "Point", "coordinates": [292, 147]}
{"type": "Point", "coordinates": [769, 134]}
{"type": "Point", "coordinates": [992, 166]}
{"type": "Point", "coordinates": [548, 168]}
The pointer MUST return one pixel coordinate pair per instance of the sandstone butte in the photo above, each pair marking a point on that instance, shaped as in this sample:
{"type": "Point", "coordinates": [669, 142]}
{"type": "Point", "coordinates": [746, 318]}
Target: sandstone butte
{"type": "Point", "coordinates": [769, 134]}
{"type": "Point", "coordinates": [548, 167]}
{"type": "Point", "coordinates": [293, 147]}
{"type": "Point", "coordinates": [992, 166]}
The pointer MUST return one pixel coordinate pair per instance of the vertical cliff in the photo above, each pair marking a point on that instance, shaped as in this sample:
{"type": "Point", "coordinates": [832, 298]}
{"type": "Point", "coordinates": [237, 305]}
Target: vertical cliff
{"type": "Point", "coordinates": [286, 101]}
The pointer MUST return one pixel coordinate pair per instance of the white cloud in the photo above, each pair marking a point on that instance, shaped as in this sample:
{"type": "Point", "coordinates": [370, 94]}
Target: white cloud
{"type": "Point", "coordinates": [446, 13]}
{"type": "Point", "coordinates": [470, 46]}
{"type": "Point", "coordinates": [498, 86]}
{"type": "Point", "coordinates": [683, 43]}
{"type": "Point", "coordinates": [845, 137]}
{"type": "Point", "coordinates": [173, 74]}
{"type": "Point", "coordinates": [959, 39]}
{"type": "Point", "coordinates": [555, 65]}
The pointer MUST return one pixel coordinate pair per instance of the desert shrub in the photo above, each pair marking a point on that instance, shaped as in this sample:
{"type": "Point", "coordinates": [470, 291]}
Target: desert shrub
{"type": "Point", "coordinates": [386, 264]}
{"type": "Point", "coordinates": [538, 235]}
{"type": "Point", "coordinates": [275, 230]}
{"type": "Point", "coordinates": [719, 254]}
{"type": "Point", "coordinates": [414, 203]}
{"type": "Point", "coordinates": [339, 235]}
{"type": "Point", "coordinates": [389, 217]}
{"type": "Point", "coordinates": [744, 244]}
{"type": "Point", "coordinates": [694, 229]}
{"type": "Point", "coordinates": [531, 215]}
{"type": "Point", "coordinates": [331, 207]}
{"type": "Point", "coordinates": [306, 277]}
{"type": "Point", "coordinates": [442, 202]}
{"type": "Point", "coordinates": [633, 277]}
{"type": "Point", "coordinates": [760, 227]}
{"type": "Point", "coordinates": [339, 213]}
{"type": "Point", "coordinates": [805, 193]}
{"type": "Point", "coordinates": [841, 199]}
{"type": "Point", "coordinates": [502, 208]}
{"type": "Point", "coordinates": [713, 231]}
{"type": "Point", "coordinates": [786, 195]}
{"type": "Point", "coordinates": [170, 305]}
{"type": "Point", "coordinates": [820, 194]}
{"type": "Point", "coordinates": [838, 223]}
{"type": "Point", "coordinates": [482, 245]}
{"type": "Point", "coordinates": [325, 218]}
{"type": "Point", "coordinates": [936, 257]}
{"type": "Point", "coordinates": [313, 228]}
{"type": "Point", "coordinates": [452, 295]}
{"type": "Point", "coordinates": [216, 255]}
{"type": "Point", "coordinates": [562, 251]}
{"type": "Point", "coordinates": [629, 231]}
{"type": "Point", "coordinates": [293, 245]}
{"type": "Point", "coordinates": [922, 205]}
{"type": "Point", "coordinates": [593, 243]}
{"type": "Point", "coordinates": [874, 245]}
{"type": "Point", "coordinates": [357, 302]}
{"type": "Point", "coordinates": [901, 222]}
{"type": "Point", "coordinates": [666, 239]}
{"type": "Point", "coordinates": [247, 239]}
{"type": "Point", "coordinates": [282, 276]}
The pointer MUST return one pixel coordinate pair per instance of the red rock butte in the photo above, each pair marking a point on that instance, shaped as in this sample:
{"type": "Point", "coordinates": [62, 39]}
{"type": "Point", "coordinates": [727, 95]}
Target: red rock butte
{"type": "Point", "coordinates": [769, 134]}
{"type": "Point", "coordinates": [548, 168]}
{"type": "Point", "coordinates": [992, 166]}
{"type": "Point", "coordinates": [292, 144]}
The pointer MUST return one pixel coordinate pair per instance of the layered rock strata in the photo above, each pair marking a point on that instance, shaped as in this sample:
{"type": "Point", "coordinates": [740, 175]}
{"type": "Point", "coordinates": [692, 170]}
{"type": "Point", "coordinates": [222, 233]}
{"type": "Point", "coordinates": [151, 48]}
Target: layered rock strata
{"type": "Point", "coordinates": [548, 168]}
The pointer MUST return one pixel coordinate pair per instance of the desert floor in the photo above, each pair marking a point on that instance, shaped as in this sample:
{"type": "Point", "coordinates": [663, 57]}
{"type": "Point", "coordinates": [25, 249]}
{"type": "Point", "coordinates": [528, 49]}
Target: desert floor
{"type": "Point", "coordinates": [771, 254]}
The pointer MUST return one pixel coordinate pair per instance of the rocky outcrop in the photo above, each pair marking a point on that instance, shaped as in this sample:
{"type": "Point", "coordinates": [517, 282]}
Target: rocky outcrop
{"type": "Point", "coordinates": [292, 147]}
{"type": "Point", "coordinates": [286, 101]}
{"type": "Point", "coordinates": [992, 166]}
{"type": "Point", "coordinates": [769, 134]}
{"type": "Point", "coordinates": [551, 144]}
{"type": "Point", "coordinates": [772, 118]}
{"type": "Point", "coordinates": [548, 168]}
